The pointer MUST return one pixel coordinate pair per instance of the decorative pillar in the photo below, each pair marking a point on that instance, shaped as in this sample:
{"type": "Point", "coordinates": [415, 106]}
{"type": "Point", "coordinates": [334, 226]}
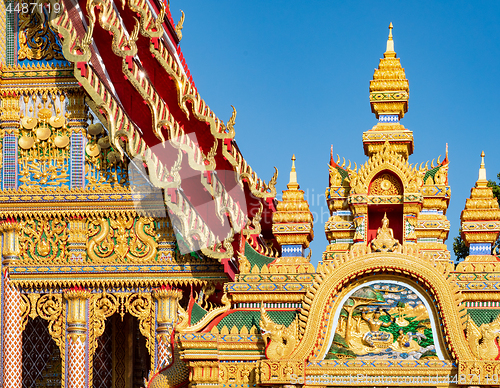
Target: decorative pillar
{"type": "Point", "coordinates": [166, 317]}
{"type": "Point", "coordinates": [77, 365]}
{"type": "Point", "coordinates": [12, 329]}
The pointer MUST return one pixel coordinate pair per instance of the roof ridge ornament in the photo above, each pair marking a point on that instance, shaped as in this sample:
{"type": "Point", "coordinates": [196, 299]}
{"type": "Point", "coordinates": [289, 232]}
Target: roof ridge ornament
{"type": "Point", "coordinates": [390, 53]}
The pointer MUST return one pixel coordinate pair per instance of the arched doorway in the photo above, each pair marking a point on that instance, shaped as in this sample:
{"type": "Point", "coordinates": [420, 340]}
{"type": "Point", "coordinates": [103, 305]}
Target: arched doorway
{"type": "Point", "coordinates": [121, 359]}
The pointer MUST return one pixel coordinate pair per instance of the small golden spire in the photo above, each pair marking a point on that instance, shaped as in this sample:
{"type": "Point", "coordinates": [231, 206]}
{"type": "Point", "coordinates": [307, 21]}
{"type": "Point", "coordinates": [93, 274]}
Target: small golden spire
{"type": "Point", "coordinates": [389, 52]}
{"type": "Point", "coordinates": [482, 181]}
{"type": "Point", "coordinates": [293, 185]}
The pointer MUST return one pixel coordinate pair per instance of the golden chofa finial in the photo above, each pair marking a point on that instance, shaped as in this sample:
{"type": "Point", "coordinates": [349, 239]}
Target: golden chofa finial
{"type": "Point", "coordinates": [293, 185]}
{"type": "Point", "coordinates": [389, 52]}
{"type": "Point", "coordinates": [482, 181]}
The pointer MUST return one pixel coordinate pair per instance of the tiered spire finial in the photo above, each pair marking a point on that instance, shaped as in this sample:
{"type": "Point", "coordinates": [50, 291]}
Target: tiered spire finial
{"type": "Point", "coordinates": [293, 185]}
{"type": "Point", "coordinates": [482, 181]}
{"type": "Point", "coordinates": [389, 52]}
{"type": "Point", "coordinates": [389, 93]}
{"type": "Point", "coordinates": [293, 221]}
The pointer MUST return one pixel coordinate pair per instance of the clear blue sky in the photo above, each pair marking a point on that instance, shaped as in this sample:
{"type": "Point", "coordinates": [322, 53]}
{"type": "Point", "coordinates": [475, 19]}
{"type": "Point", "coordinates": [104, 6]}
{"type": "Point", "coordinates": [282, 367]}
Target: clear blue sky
{"type": "Point", "coordinates": [298, 74]}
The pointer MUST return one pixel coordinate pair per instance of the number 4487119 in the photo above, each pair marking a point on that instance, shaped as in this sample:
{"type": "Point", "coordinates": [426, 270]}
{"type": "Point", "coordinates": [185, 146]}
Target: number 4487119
{"type": "Point", "coordinates": [32, 7]}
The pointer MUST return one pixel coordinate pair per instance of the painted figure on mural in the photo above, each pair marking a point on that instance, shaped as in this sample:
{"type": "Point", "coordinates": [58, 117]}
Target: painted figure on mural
{"type": "Point", "coordinates": [375, 323]}
{"type": "Point", "coordinates": [383, 320]}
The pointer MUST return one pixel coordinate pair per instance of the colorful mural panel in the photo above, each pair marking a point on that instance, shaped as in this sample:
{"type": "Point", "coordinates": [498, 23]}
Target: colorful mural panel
{"type": "Point", "coordinates": [384, 320]}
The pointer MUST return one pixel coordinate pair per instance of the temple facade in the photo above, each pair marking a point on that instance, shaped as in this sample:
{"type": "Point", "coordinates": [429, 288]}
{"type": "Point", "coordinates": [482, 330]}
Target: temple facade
{"type": "Point", "coordinates": [140, 249]}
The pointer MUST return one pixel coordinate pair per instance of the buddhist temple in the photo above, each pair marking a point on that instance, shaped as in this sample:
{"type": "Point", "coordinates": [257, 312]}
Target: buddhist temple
{"type": "Point", "coordinates": [140, 249]}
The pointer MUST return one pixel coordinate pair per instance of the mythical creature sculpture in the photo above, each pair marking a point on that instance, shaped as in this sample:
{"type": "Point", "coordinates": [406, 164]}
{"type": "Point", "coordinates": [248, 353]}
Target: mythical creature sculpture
{"type": "Point", "coordinates": [280, 340]}
{"type": "Point", "coordinates": [483, 340]}
{"type": "Point", "coordinates": [385, 241]}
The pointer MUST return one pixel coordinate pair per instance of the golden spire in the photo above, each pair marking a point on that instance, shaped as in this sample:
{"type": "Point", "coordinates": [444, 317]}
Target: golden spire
{"type": "Point", "coordinates": [389, 93]}
{"type": "Point", "coordinates": [293, 185]}
{"type": "Point", "coordinates": [482, 181]}
{"type": "Point", "coordinates": [389, 52]}
{"type": "Point", "coordinates": [481, 216]}
{"type": "Point", "coordinates": [293, 221]}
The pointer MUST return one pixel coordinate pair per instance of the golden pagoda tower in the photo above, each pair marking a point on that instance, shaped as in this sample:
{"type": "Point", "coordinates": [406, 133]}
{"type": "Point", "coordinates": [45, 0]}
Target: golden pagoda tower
{"type": "Point", "coordinates": [480, 225]}
{"type": "Point", "coordinates": [293, 223]}
{"type": "Point", "coordinates": [412, 200]}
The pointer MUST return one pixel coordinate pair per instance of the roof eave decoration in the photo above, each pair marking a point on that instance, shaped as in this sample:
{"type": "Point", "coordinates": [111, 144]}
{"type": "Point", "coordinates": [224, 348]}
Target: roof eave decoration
{"type": "Point", "coordinates": [120, 126]}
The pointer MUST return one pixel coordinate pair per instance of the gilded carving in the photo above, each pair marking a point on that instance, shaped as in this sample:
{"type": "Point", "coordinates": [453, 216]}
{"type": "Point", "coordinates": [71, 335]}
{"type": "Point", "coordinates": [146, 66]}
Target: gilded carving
{"type": "Point", "coordinates": [387, 159]}
{"type": "Point", "coordinates": [483, 340]}
{"type": "Point", "coordinates": [122, 239]}
{"type": "Point", "coordinates": [242, 374]}
{"type": "Point", "coordinates": [281, 340]}
{"type": "Point", "coordinates": [281, 372]}
{"type": "Point", "coordinates": [51, 308]}
{"type": "Point", "coordinates": [43, 241]}
{"type": "Point", "coordinates": [37, 40]}
{"type": "Point", "coordinates": [140, 305]}
{"type": "Point", "coordinates": [386, 184]}
{"type": "Point", "coordinates": [104, 165]}
{"type": "Point", "coordinates": [44, 143]}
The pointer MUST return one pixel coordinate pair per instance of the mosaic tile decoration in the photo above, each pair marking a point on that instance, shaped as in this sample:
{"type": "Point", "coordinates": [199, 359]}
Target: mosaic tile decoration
{"type": "Point", "coordinates": [12, 351]}
{"type": "Point", "coordinates": [9, 171]}
{"type": "Point", "coordinates": [77, 175]}
{"type": "Point", "coordinates": [11, 27]}
{"type": "Point", "coordinates": [76, 363]}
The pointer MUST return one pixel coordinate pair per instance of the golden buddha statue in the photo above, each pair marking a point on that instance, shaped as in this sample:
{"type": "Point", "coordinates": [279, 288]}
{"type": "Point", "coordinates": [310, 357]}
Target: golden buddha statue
{"type": "Point", "coordinates": [385, 241]}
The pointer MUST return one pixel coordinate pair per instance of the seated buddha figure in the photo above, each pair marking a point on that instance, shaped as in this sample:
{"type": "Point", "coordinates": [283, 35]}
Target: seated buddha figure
{"type": "Point", "coordinates": [385, 241]}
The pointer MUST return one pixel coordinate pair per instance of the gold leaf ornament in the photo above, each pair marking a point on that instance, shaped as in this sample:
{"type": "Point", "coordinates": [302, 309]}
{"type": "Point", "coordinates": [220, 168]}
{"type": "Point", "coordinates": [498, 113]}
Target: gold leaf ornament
{"type": "Point", "coordinates": [61, 141]}
{"type": "Point", "coordinates": [93, 149]}
{"type": "Point", "coordinates": [26, 142]}
{"type": "Point", "coordinates": [29, 122]}
{"type": "Point", "coordinates": [43, 133]}
{"type": "Point", "coordinates": [57, 121]}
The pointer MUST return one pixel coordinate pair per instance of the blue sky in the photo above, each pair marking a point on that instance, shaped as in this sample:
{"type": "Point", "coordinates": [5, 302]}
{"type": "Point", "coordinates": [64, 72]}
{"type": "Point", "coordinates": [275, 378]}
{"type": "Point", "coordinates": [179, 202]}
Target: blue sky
{"type": "Point", "coordinates": [298, 74]}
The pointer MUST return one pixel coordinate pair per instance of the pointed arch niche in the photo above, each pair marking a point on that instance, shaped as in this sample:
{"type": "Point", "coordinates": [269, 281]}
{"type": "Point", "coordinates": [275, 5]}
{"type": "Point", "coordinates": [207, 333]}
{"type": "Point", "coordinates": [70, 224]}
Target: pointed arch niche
{"type": "Point", "coordinates": [385, 195]}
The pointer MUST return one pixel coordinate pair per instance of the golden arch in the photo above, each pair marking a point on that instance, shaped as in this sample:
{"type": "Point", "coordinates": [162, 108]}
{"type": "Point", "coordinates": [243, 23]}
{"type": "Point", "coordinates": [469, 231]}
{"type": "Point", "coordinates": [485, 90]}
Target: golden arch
{"type": "Point", "coordinates": [432, 279]}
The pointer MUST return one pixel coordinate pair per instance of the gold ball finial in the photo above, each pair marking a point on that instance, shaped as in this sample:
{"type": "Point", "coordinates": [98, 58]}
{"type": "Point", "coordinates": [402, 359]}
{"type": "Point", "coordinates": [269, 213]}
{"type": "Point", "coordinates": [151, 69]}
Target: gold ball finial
{"type": "Point", "coordinates": [390, 31]}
